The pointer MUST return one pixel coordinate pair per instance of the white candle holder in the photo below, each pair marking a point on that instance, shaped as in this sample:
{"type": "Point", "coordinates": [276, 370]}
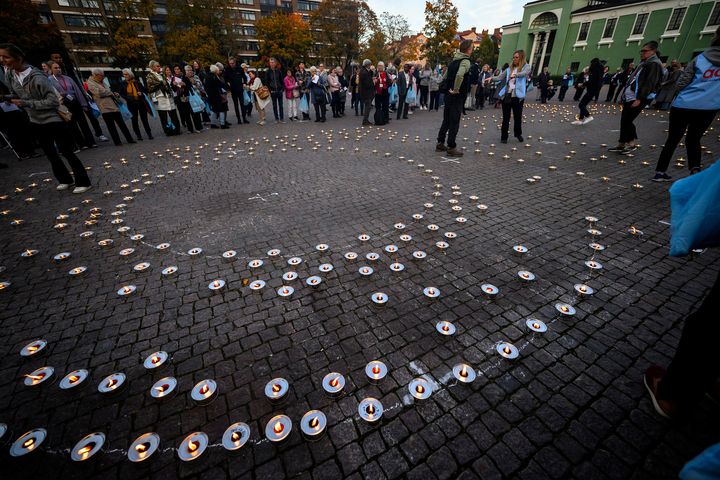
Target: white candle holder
{"type": "Point", "coordinates": [33, 348]}
{"type": "Point", "coordinates": [583, 290]}
{"type": "Point", "coordinates": [490, 290]}
{"type": "Point", "coordinates": [256, 285]}
{"type": "Point", "coordinates": [594, 232]}
{"type": "Point", "coordinates": [4, 285]}
{"type": "Point", "coordinates": [593, 265]}
{"type": "Point", "coordinates": [294, 261]}
{"type": "Point", "coordinates": [350, 256]}
{"type": "Point", "coordinates": [445, 328]}
{"type": "Point", "coordinates": [526, 276]}
{"type": "Point", "coordinates": [464, 373]}
{"type": "Point", "coordinates": [277, 389]}
{"type": "Point", "coordinates": [433, 228]}
{"type": "Point", "coordinates": [507, 350]}
{"type": "Point", "coordinates": [216, 285]}
{"type": "Point", "coordinates": [325, 268]}
{"type": "Point", "coordinates": [137, 237]}
{"type": "Point", "coordinates": [162, 246]}
{"type": "Point", "coordinates": [399, 226]}
{"type": "Point", "coordinates": [275, 252]}
{"type": "Point", "coordinates": [397, 267]}
{"type": "Point", "coordinates": [28, 442]}
{"type": "Point", "coordinates": [193, 446]}
{"type": "Point", "coordinates": [420, 388]}
{"type": "Point", "coordinates": [126, 252]}
{"type": "Point", "coordinates": [322, 247]}
{"type": "Point", "coordinates": [74, 379]}
{"type": "Point", "coordinates": [257, 263]}
{"type": "Point", "coordinates": [520, 249]}
{"type": "Point", "coordinates": [167, 271]}
{"type": "Point", "coordinates": [313, 424]}
{"type": "Point", "coordinates": [565, 309]}
{"type": "Point", "coordinates": [112, 383]}
{"type": "Point", "coordinates": [391, 248]}
{"type": "Point", "coordinates": [363, 237]}
{"type": "Point", "coordinates": [39, 376]}
{"type": "Point", "coordinates": [155, 360]}
{"type": "Point", "coordinates": [370, 410]}
{"type": "Point", "coordinates": [29, 253]}
{"type": "Point", "coordinates": [442, 245]}
{"type": "Point", "coordinates": [313, 281]}
{"type": "Point", "coordinates": [278, 428]}
{"type": "Point", "coordinates": [376, 371]}
{"type": "Point", "coordinates": [419, 255]}
{"type": "Point", "coordinates": [596, 246]}
{"type": "Point", "coordinates": [163, 388]}
{"type": "Point", "coordinates": [536, 325]}
{"type": "Point", "coordinates": [62, 256]}
{"type": "Point", "coordinates": [632, 230]}
{"type": "Point", "coordinates": [229, 255]}
{"type": "Point", "coordinates": [405, 237]}
{"type": "Point", "coordinates": [194, 252]}
{"type": "Point", "coordinates": [126, 290]}
{"type": "Point", "coordinates": [236, 436]}
{"type": "Point", "coordinates": [365, 271]}
{"type": "Point", "coordinates": [379, 298]}
{"type": "Point", "coordinates": [431, 292]}
{"type": "Point", "coordinates": [88, 446]}
{"type": "Point", "coordinates": [143, 447]}
{"type": "Point", "coordinates": [204, 392]}
{"type": "Point", "coordinates": [285, 291]}
{"type": "Point", "coordinates": [77, 271]}
{"type": "Point", "coordinates": [141, 267]}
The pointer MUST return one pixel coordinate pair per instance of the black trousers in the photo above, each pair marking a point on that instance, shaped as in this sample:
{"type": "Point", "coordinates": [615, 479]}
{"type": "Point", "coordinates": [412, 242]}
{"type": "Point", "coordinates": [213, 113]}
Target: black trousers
{"type": "Point", "coordinates": [696, 122]}
{"type": "Point", "coordinates": [16, 127]}
{"type": "Point", "coordinates": [188, 117]}
{"type": "Point", "coordinates": [543, 93]}
{"type": "Point", "coordinates": [382, 103]}
{"type": "Point", "coordinates": [578, 93]}
{"type": "Point", "coordinates": [402, 109]}
{"type": "Point", "coordinates": [79, 126]}
{"type": "Point", "coordinates": [586, 99]}
{"type": "Point", "coordinates": [365, 108]}
{"type": "Point", "coordinates": [320, 109]}
{"type": "Point", "coordinates": [277, 103]}
{"type": "Point", "coordinates": [423, 95]}
{"type": "Point", "coordinates": [94, 122]}
{"type": "Point", "coordinates": [140, 113]}
{"type": "Point", "coordinates": [695, 365]}
{"type": "Point", "coordinates": [57, 133]}
{"type": "Point", "coordinates": [628, 132]}
{"type": "Point", "coordinates": [611, 92]}
{"type": "Point", "coordinates": [335, 103]}
{"type": "Point", "coordinates": [240, 109]}
{"type": "Point", "coordinates": [451, 119]}
{"type": "Point", "coordinates": [514, 106]}
{"type": "Point", "coordinates": [113, 119]}
{"type": "Point", "coordinates": [173, 129]}
{"type": "Point", "coordinates": [434, 100]}
{"type": "Point", "coordinates": [356, 103]}
{"type": "Point", "coordinates": [480, 97]}
{"type": "Point", "coordinates": [563, 91]}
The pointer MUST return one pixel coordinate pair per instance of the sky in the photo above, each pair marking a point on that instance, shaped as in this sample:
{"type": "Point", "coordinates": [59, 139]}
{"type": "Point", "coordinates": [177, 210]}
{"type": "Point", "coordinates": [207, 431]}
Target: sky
{"type": "Point", "coordinates": [483, 14]}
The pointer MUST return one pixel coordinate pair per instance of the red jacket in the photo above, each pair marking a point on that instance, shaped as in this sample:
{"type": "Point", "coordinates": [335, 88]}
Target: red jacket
{"type": "Point", "coordinates": [383, 83]}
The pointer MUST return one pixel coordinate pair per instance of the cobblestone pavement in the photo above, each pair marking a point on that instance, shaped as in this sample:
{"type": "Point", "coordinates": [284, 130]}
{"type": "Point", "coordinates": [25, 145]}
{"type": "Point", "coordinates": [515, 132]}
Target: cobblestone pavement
{"type": "Point", "coordinates": [571, 405]}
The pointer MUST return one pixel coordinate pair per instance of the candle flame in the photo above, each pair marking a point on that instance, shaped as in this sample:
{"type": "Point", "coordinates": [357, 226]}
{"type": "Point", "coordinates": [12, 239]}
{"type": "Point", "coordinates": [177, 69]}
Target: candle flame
{"type": "Point", "coordinates": [155, 359]}
{"type": "Point", "coordinates": [379, 297]}
{"type": "Point", "coordinates": [193, 446]}
{"type": "Point", "coordinates": [276, 388]}
{"type": "Point", "coordinates": [216, 284]}
{"type": "Point", "coordinates": [463, 371]}
{"type": "Point", "coordinates": [111, 383]}
{"type": "Point", "coordinates": [32, 348]}
{"type": "Point", "coordinates": [536, 325]}
{"type": "Point", "coordinates": [204, 389]}
{"type": "Point", "coordinates": [84, 451]}
{"type": "Point", "coordinates": [564, 308]}
{"type": "Point", "coordinates": [29, 443]}
{"type": "Point", "coordinates": [73, 378]}
{"type": "Point", "coordinates": [314, 422]}
{"type": "Point", "coordinates": [234, 436]}
{"type": "Point", "coordinates": [420, 389]}
{"type": "Point", "coordinates": [506, 349]}
{"type": "Point", "coordinates": [142, 447]}
{"type": "Point", "coordinates": [162, 387]}
{"type": "Point", "coordinates": [446, 327]}
{"type": "Point", "coordinates": [278, 427]}
{"type": "Point", "coordinates": [335, 382]}
{"type": "Point", "coordinates": [582, 288]}
{"type": "Point", "coordinates": [370, 409]}
{"type": "Point", "coordinates": [36, 378]}
{"type": "Point", "coordinates": [376, 370]}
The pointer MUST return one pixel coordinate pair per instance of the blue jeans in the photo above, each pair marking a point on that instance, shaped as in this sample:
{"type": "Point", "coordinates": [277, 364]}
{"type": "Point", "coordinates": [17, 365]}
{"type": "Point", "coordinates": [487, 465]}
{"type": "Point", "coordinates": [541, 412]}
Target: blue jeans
{"type": "Point", "coordinates": [277, 101]}
{"type": "Point", "coordinates": [219, 118]}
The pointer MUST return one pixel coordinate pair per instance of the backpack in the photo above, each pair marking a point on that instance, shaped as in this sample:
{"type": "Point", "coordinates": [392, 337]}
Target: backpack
{"type": "Point", "coordinates": [379, 117]}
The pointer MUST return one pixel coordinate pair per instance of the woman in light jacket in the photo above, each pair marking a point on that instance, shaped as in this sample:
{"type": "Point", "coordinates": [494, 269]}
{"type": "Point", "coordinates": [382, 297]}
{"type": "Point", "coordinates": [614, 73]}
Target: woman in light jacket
{"type": "Point", "coordinates": [425, 76]}
{"type": "Point", "coordinates": [260, 103]}
{"type": "Point", "coordinates": [162, 95]}
{"type": "Point", "coordinates": [316, 84]}
{"type": "Point", "coordinates": [292, 94]}
{"type": "Point", "coordinates": [512, 94]}
{"type": "Point", "coordinates": [108, 102]}
{"type": "Point", "coordinates": [434, 89]}
{"type": "Point", "coordinates": [334, 89]}
{"type": "Point", "coordinates": [74, 99]}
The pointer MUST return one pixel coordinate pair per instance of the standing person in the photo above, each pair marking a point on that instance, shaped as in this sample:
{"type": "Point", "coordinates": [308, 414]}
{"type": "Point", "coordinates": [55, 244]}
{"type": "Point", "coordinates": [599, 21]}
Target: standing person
{"type": "Point", "coordinates": [274, 82]}
{"type": "Point", "coordinates": [593, 84]}
{"type": "Point", "coordinates": [197, 85]}
{"type": "Point", "coordinates": [185, 91]}
{"type": "Point", "coordinates": [162, 95]}
{"type": "Point", "coordinates": [342, 100]}
{"type": "Point", "coordinates": [543, 80]}
{"type": "Point", "coordinates": [334, 89]}
{"type": "Point", "coordinates": [425, 75]}
{"type": "Point", "coordinates": [512, 94]}
{"type": "Point", "coordinates": [473, 78]}
{"type": "Point", "coordinates": [318, 89]}
{"type": "Point", "coordinates": [694, 108]}
{"type": "Point", "coordinates": [614, 82]}
{"type": "Point", "coordinates": [457, 88]}
{"type": "Point", "coordinates": [217, 92]}
{"type": "Point", "coordinates": [355, 100]}
{"type": "Point", "coordinates": [108, 103]}
{"type": "Point", "coordinates": [133, 92]}
{"type": "Point", "coordinates": [481, 91]}
{"type": "Point", "coordinates": [234, 77]}
{"type": "Point", "coordinates": [382, 96]}
{"type": "Point", "coordinates": [292, 94]}
{"type": "Point", "coordinates": [249, 105]}
{"type": "Point", "coordinates": [434, 89]}
{"type": "Point", "coordinates": [261, 95]}
{"type": "Point", "coordinates": [73, 98]}
{"type": "Point", "coordinates": [668, 87]}
{"type": "Point", "coordinates": [31, 90]}
{"type": "Point", "coordinates": [302, 76]}
{"type": "Point", "coordinates": [580, 84]}
{"type": "Point", "coordinates": [622, 81]}
{"type": "Point", "coordinates": [182, 99]}
{"type": "Point", "coordinates": [639, 90]}
{"type": "Point", "coordinates": [366, 89]}
{"type": "Point", "coordinates": [405, 82]}
{"type": "Point", "coordinates": [199, 71]}
{"type": "Point", "coordinates": [568, 79]}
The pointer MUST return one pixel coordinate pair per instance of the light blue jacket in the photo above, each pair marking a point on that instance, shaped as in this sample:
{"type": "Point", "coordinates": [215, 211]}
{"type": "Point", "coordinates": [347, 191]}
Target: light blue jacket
{"type": "Point", "coordinates": [521, 81]}
{"type": "Point", "coordinates": [703, 92]}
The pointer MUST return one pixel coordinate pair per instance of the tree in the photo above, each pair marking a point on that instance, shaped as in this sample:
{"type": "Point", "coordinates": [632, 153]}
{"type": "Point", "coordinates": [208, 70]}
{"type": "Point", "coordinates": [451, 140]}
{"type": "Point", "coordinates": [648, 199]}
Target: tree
{"type": "Point", "coordinates": [375, 49]}
{"type": "Point", "coordinates": [128, 48]}
{"type": "Point", "coordinates": [487, 52]}
{"type": "Point", "coordinates": [396, 30]}
{"type": "Point", "coordinates": [440, 28]}
{"type": "Point", "coordinates": [20, 24]}
{"type": "Point", "coordinates": [213, 18]}
{"type": "Point", "coordinates": [339, 27]}
{"type": "Point", "coordinates": [196, 43]}
{"type": "Point", "coordinates": [285, 37]}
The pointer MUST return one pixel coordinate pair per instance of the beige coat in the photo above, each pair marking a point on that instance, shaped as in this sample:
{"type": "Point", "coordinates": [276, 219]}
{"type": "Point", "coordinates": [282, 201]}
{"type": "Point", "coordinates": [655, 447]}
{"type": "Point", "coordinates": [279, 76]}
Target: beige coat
{"type": "Point", "coordinates": [103, 96]}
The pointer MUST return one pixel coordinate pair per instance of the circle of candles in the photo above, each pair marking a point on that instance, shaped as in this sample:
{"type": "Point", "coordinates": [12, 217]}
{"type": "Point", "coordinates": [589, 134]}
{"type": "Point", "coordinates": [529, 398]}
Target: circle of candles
{"type": "Point", "coordinates": [405, 237]}
{"type": "Point", "coordinates": [155, 360]}
{"type": "Point", "coordinates": [379, 298]}
{"type": "Point", "coordinates": [372, 256]}
{"type": "Point", "coordinates": [419, 254]}
{"type": "Point", "coordinates": [520, 249]}
{"type": "Point", "coordinates": [445, 328]}
{"type": "Point", "coordinates": [107, 242]}
{"type": "Point", "coordinates": [216, 284]}
{"type": "Point", "coordinates": [634, 231]}
{"type": "Point", "coordinates": [507, 350]}
{"type": "Point", "coordinates": [399, 226]}
{"type": "Point", "coordinates": [417, 216]}
{"type": "Point", "coordinates": [294, 261]}
{"type": "Point", "coordinates": [141, 267]}
{"type": "Point", "coordinates": [483, 208]}
{"type": "Point", "coordinates": [257, 263]}
{"type": "Point", "coordinates": [376, 370]}
{"type": "Point", "coordinates": [126, 290]}
{"type": "Point", "coordinates": [235, 436]}
{"type": "Point", "coordinates": [313, 424]}
{"type": "Point", "coordinates": [432, 227]}
{"type": "Point", "coordinates": [526, 276]}
{"type": "Point", "coordinates": [313, 281]}
{"type": "Point", "coordinates": [370, 409]}
{"type": "Point", "coordinates": [565, 309]}
{"type": "Point", "coordinates": [593, 265]}
{"type": "Point", "coordinates": [391, 248]}
{"type": "Point", "coordinates": [62, 256]}
{"type": "Point", "coordinates": [126, 251]}
{"type": "Point", "coordinates": [143, 447]}
{"type": "Point", "coordinates": [162, 246]}
{"type": "Point", "coordinates": [88, 446]}
{"type": "Point", "coordinates": [326, 267]}
{"type": "Point", "coordinates": [28, 253]}
{"type": "Point", "coordinates": [28, 442]}
{"type": "Point", "coordinates": [257, 285]}
{"type": "Point", "coordinates": [276, 389]}
{"type": "Point", "coordinates": [163, 387]}
{"type": "Point", "coordinates": [111, 383]}
{"type": "Point", "coordinates": [464, 373]}
{"type": "Point", "coordinates": [285, 291]}
{"type": "Point", "coordinates": [36, 377]}
{"type": "Point", "coordinates": [322, 247]}
{"type": "Point", "coordinates": [351, 256]}
{"type": "Point", "coordinates": [333, 383]}
{"type": "Point", "coordinates": [192, 446]}
{"type": "Point", "coordinates": [137, 237]}
{"type": "Point", "coordinates": [536, 325]}
{"type": "Point", "coordinates": [73, 379]}
{"type": "Point", "coordinates": [193, 252]}
{"type": "Point", "coordinates": [365, 271]}
{"type": "Point", "coordinates": [442, 245]}
{"type": "Point", "coordinates": [420, 388]}
{"type": "Point", "coordinates": [450, 235]}
{"type": "Point", "coordinates": [204, 391]}
{"type": "Point", "coordinates": [229, 254]}
{"type": "Point", "coordinates": [596, 246]}
{"type": "Point", "coordinates": [594, 232]}
{"type": "Point", "coordinates": [489, 289]}
{"type": "Point", "coordinates": [169, 270]}
{"type": "Point", "coordinates": [364, 237]}
{"type": "Point", "coordinates": [36, 346]}
{"type": "Point", "coordinates": [431, 292]}
{"type": "Point", "coordinates": [278, 428]}
{"type": "Point", "coordinates": [583, 289]}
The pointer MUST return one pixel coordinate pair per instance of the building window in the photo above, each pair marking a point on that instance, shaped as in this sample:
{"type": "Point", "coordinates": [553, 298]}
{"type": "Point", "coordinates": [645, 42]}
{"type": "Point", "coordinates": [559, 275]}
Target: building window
{"type": "Point", "coordinates": [583, 33]}
{"type": "Point", "coordinates": [547, 19]}
{"type": "Point", "coordinates": [83, 21]}
{"type": "Point", "coordinates": [78, 3]}
{"type": "Point", "coordinates": [626, 62]}
{"type": "Point", "coordinates": [45, 18]}
{"type": "Point", "coordinates": [245, 15]}
{"type": "Point", "coordinates": [714, 19]}
{"type": "Point", "coordinates": [158, 27]}
{"type": "Point", "coordinates": [640, 22]}
{"type": "Point", "coordinates": [245, 2]}
{"type": "Point", "coordinates": [676, 19]}
{"type": "Point", "coordinates": [574, 66]}
{"type": "Point", "coordinates": [609, 27]}
{"type": "Point", "coordinates": [305, 6]}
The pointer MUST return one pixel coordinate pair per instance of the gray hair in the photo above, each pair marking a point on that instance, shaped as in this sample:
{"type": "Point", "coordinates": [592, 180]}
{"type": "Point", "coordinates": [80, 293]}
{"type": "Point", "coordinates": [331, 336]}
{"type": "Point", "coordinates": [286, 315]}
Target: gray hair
{"type": "Point", "coordinates": [129, 72]}
{"type": "Point", "coordinates": [214, 69]}
{"type": "Point", "coordinates": [97, 71]}
{"type": "Point", "coordinates": [188, 68]}
{"type": "Point", "coordinates": [153, 63]}
{"type": "Point", "coordinates": [381, 63]}
{"type": "Point", "coordinates": [366, 62]}
{"type": "Point", "coordinates": [313, 68]}
{"type": "Point", "coordinates": [220, 66]}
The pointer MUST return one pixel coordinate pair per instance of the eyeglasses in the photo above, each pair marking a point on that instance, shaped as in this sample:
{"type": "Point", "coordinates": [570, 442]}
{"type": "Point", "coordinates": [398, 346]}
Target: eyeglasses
{"type": "Point", "coordinates": [645, 50]}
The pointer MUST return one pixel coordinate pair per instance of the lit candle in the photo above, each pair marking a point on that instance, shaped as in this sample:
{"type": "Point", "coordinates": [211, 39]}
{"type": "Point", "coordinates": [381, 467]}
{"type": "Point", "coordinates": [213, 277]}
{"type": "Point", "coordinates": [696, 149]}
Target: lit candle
{"type": "Point", "coordinates": [420, 388]}
{"type": "Point", "coordinates": [278, 428]}
{"type": "Point", "coordinates": [370, 410]}
{"type": "Point", "coordinates": [235, 436]}
{"type": "Point", "coordinates": [28, 442]}
{"type": "Point", "coordinates": [464, 373]}
{"type": "Point", "coordinates": [192, 446]}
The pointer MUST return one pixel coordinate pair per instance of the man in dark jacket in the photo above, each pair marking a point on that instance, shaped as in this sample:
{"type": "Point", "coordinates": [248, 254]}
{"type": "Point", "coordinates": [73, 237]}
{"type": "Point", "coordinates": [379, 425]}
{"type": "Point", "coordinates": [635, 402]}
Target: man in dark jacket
{"type": "Point", "coordinates": [458, 86]}
{"type": "Point", "coordinates": [543, 80]}
{"type": "Point", "coordinates": [404, 83]}
{"type": "Point", "coordinates": [474, 79]}
{"type": "Point", "coordinates": [622, 79]}
{"type": "Point", "coordinates": [614, 82]}
{"type": "Point", "coordinates": [567, 81]}
{"type": "Point", "coordinates": [274, 82]}
{"type": "Point", "coordinates": [639, 90]}
{"type": "Point", "coordinates": [592, 87]}
{"type": "Point", "coordinates": [366, 88]}
{"type": "Point", "coordinates": [235, 78]}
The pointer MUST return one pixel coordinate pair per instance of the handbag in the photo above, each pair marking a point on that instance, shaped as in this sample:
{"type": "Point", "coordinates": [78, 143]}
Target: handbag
{"type": "Point", "coordinates": [64, 112]}
{"type": "Point", "coordinates": [196, 103]}
{"type": "Point", "coordinates": [246, 98]}
{"type": "Point", "coordinates": [410, 96]}
{"type": "Point", "coordinates": [94, 108]}
{"type": "Point", "coordinates": [296, 92]}
{"type": "Point", "coordinates": [392, 91]}
{"type": "Point", "coordinates": [263, 92]}
{"type": "Point", "coordinates": [304, 106]}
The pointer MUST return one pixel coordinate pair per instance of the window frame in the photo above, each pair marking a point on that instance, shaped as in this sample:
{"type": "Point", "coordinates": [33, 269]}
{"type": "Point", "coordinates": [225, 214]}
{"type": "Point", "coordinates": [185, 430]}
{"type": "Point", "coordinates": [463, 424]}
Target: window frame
{"type": "Point", "coordinates": [645, 24]}
{"type": "Point", "coordinates": [587, 33]}
{"type": "Point", "coordinates": [614, 27]}
{"type": "Point", "coordinates": [672, 15]}
{"type": "Point", "coordinates": [711, 26]}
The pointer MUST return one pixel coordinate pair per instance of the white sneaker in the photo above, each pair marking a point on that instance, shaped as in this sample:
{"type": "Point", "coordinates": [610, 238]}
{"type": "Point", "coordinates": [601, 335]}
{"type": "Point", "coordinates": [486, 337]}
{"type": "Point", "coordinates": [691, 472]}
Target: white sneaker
{"type": "Point", "coordinates": [102, 138]}
{"type": "Point", "coordinates": [81, 189]}
{"type": "Point", "coordinates": [578, 122]}
{"type": "Point", "coordinates": [587, 120]}
{"type": "Point", "coordinates": [63, 186]}
{"type": "Point", "coordinates": [261, 122]}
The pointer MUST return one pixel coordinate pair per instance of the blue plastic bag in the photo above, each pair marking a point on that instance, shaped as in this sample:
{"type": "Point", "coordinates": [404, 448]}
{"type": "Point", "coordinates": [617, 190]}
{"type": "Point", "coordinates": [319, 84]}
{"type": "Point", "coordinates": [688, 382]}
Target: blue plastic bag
{"type": "Point", "coordinates": [304, 105]}
{"type": "Point", "coordinates": [695, 203]}
{"type": "Point", "coordinates": [410, 96]}
{"type": "Point", "coordinates": [125, 111]}
{"type": "Point", "coordinates": [705, 466]}
{"type": "Point", "coordinates": [196, 103]}
{"type": "Point", "coordinates": [94, 109]}
{"type": "Point", "coordinates": [392, 91]}
{"type": "Point", "coordinates": [150, 106]}
{"type": "Point", "coordinates": [246, 97]}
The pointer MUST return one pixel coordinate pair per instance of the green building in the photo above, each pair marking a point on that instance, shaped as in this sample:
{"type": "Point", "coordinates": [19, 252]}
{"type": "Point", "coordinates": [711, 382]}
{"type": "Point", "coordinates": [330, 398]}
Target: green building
{"type": "Point", "coordinates": [569, 33]}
